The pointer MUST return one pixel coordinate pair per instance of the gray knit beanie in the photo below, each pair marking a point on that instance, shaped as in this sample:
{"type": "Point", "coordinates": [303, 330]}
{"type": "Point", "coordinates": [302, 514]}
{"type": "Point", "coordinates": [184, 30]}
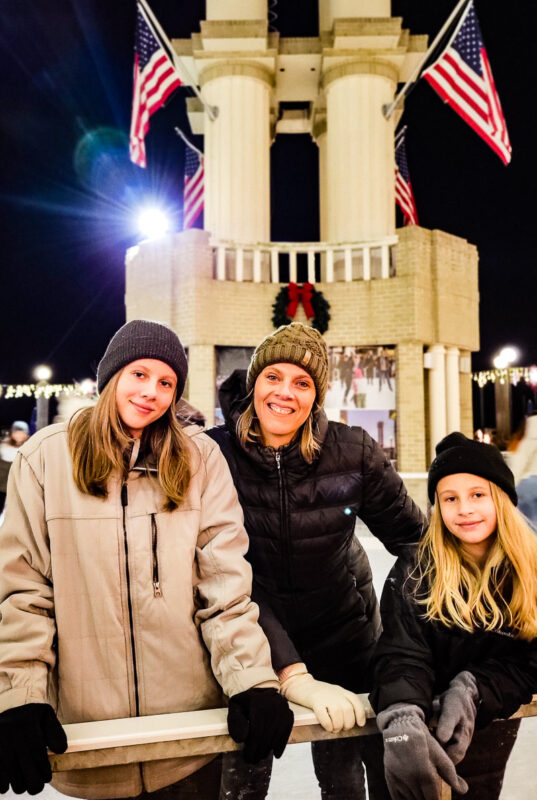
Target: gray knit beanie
{"type": "Point", "coordinates": [456, 453]}
{"type": "Point", "coordinates": [293, 344]}
{"type": "Point", "coordinates": [143, 338]}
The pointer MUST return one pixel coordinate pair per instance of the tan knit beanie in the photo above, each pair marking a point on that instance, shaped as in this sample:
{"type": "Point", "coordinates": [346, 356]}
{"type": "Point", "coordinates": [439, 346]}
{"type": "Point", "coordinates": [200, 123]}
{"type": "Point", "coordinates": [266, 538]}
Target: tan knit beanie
{"type": "Point", "coordinates": [294, 344]}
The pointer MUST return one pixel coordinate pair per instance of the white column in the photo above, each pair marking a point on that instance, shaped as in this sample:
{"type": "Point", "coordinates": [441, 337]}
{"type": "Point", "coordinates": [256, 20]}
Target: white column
{"type": "Point", "coordinates": [453, 394]}
{"type": "Point", "coordinates": [360, 159]}
{"type": "Point", "coordinates": [437, 397]}
{"type": "Point", "coordinates": [319, 134]}
{"type": "Point", "coordinates": [237, 152]}
{"type": "Point", "coordinates": [329, 10]}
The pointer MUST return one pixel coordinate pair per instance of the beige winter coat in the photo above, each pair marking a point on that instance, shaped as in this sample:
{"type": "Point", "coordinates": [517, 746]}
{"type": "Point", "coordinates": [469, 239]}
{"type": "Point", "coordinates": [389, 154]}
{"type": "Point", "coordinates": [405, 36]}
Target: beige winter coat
{"type": "Point", "coordinates": [102, 604]}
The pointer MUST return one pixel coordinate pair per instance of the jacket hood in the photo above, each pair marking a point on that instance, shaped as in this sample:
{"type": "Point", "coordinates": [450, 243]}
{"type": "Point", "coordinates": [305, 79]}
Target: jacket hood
{"type": "Point", "coordinates": [233, 397]}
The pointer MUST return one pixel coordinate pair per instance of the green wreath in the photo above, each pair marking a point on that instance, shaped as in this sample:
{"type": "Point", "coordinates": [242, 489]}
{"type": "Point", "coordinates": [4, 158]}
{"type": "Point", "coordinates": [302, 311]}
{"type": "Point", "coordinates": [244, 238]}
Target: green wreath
{"type": "Point", "coordinates": [319, 304]}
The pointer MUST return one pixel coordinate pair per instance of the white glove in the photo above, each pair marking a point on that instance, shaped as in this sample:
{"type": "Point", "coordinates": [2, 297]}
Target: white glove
{"type": "Point", "coordinates": [336, 708]}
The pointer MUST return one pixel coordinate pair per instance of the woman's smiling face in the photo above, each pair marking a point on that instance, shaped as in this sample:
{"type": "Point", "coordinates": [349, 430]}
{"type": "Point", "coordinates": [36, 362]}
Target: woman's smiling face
{"type": "Point", "coordinates": [283, 399]}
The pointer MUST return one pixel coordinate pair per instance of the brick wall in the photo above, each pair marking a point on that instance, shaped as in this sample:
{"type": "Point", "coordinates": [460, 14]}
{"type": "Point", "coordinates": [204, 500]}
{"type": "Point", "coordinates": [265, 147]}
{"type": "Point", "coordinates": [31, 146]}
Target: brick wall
{"type": "Point", "coordinates": [433, 298]}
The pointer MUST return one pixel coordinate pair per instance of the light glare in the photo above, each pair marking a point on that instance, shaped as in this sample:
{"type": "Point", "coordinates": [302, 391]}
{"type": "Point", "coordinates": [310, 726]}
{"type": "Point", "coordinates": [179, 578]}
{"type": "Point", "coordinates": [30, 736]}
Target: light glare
{"type": "Point", "coordinates": [505, 357]}
{"type": "Point", "coordinates": [42, 373]}
{"type": "Point", "coordinates": [153, 222]}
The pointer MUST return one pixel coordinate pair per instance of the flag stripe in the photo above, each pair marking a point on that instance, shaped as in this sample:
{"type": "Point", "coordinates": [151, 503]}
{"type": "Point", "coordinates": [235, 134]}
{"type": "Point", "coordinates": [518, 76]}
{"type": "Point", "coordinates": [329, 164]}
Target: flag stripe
{"type": "Point", "coordinates": [463, 78]}
{"type": "Point", "coordinates": [155, 78]}
{"type": "Point", "coordinates": [404, 196]}
{"type": "Point", "coordinates": [193, 192]}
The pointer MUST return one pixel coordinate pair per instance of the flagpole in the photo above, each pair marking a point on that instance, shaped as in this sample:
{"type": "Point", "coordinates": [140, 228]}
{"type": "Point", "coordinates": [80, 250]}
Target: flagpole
{"type": "Point", "coordinates": [388, 109]}
{"type": "Point", "coordinates": [188, 143]}
{"type": "Point", "coordinates": [212, 111]}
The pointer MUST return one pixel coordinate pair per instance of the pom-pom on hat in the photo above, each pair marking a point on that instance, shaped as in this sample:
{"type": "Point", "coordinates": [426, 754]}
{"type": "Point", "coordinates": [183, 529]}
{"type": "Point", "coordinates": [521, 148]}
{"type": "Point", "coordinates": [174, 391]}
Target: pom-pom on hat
{"type": "Point", "coordinates": [143, 338]}
{"type": "Point", "coordinates": [293, 344]}
{"type": "Point", "coordinates": [456, 453]}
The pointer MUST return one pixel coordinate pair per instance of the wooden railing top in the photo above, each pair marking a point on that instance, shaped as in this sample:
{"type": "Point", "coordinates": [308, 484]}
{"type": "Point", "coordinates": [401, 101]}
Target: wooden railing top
{"type": "Point", "coordinates": [151, 738]}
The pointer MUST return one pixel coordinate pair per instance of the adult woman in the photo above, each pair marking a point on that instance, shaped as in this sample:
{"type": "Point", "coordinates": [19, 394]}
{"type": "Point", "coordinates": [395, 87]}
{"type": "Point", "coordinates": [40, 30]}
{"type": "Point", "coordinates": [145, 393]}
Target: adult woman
{"type": "Point", "coordinates": [123, 540]}
{"type": "Point", "coordinates": [301, 482]}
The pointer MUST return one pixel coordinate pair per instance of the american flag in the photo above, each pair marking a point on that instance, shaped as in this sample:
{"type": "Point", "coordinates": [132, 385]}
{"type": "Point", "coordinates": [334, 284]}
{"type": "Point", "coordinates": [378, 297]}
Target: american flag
{"type": "Point", "coordinates": [404, 196]}
{"type": "Point", "coordinates": [155, 78]}
{"type": "Point", "coordinates": [193, 188]}
{"type": "Point", "coordinates": [463, 79]}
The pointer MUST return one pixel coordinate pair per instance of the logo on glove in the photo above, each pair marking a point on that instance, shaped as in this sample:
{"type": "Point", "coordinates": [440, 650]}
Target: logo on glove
{"type": "Point", "coordinates": [403, 738]}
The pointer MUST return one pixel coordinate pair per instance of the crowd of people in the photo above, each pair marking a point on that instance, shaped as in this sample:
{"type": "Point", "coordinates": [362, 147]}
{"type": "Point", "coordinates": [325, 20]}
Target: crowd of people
{"type": "Point", "coordinates": [355, 372]}
{"type": "Point", "coordinates": [150, 566]}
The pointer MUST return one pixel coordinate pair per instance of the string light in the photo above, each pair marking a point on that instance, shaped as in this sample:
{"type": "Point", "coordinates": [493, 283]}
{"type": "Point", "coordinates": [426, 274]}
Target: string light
{"type": "Point", "coordinates": [17, 390]}
{"type": "Point", "coordinates": [506, 375]}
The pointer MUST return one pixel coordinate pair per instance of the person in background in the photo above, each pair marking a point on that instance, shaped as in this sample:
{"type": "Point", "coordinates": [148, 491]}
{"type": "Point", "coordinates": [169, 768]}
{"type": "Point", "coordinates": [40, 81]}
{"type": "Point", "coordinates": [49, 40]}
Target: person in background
{"type": "Point", "coordinates": [302, 481]}
{"type": "Point", "coordinates": [124, 591]}
{"type": "Point", "coordinates": [460, 628]}
{"type": "Point", "coordinates": [18, 434]}
{"type": "Point", "coordinates": [522, 459]}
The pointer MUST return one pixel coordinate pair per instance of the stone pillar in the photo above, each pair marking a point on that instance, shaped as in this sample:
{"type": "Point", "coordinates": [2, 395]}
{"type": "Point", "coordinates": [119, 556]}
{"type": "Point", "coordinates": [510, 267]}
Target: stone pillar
{"type": "Point", "coordinates": [360, 161]}
{"type": "Point", "coordinates": [201, 386]}
{"type": "Point", "coordinates": [453, 395]}
{"type": "Point", "coordinates": [319, 134]}
{"type": "Point", "coordinates": [235, 9]}
{"type": "Point", "coordinates": [410, 407]}
{"type": "Point", "coordinates": [437, 397]}
{"type": "Point", "coordinates": [237, 151]}
{"type": "Point", "coordinates": [502, 401]}
{"type": "Point", "coordinates": [465, 388]}
{"type": "Point", "coordinates": [329, 10]}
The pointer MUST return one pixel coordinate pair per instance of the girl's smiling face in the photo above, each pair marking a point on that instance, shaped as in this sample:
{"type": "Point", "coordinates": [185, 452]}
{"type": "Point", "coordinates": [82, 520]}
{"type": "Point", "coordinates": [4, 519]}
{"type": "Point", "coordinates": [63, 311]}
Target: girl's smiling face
{"type": "Point", "coordinates": [468, 511]}
{"type": "Point", "coordinates": [144, 393]}
{"type": "Point", "coordinates": [283, 398]}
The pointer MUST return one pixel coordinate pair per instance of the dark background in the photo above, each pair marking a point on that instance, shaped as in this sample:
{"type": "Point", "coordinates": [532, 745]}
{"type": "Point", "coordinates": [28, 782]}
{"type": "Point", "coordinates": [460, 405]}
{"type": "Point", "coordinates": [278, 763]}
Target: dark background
{"type": "Point", "coordinates": [68, 193]}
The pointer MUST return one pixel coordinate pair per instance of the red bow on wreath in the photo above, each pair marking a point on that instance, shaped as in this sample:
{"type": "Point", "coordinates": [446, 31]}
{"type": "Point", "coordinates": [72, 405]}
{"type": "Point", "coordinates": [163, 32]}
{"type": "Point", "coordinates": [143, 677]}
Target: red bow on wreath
{"type": "Point", "coordinates": [296, 294]}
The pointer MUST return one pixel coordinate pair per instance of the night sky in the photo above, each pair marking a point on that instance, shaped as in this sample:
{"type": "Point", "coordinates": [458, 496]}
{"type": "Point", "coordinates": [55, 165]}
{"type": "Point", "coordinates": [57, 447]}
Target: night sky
{"type": "Point", "coordinates": [69, 194]}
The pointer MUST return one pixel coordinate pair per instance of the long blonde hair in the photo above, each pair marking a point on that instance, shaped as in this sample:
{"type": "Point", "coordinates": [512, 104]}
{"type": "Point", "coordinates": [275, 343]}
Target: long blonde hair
{"type": "Point", "coordinates": [249, 430]}
{"type": "Point", "coordinates": [98, 442]}
{"type": "Point", "coordinates": [456, 591]}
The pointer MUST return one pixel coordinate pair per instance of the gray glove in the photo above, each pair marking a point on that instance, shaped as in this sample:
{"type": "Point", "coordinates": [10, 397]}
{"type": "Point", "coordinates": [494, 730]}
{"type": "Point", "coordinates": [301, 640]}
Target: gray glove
{"type": "Point", "coordinates": [456, 716]}
{"type": "Point", "coordinates": [413, 759]}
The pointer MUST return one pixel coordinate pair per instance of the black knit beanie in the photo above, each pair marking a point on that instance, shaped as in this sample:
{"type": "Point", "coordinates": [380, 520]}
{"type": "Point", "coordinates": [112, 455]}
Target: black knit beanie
{"type": "Point", "coordinates": [456, 453]}
{"type": "Point", "coordinates": [143, 338]}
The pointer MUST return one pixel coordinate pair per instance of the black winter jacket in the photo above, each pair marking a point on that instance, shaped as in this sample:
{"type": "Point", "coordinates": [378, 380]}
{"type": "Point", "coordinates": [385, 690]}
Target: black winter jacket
{"type": "Point", "coordinates": [312, 579]}
{"type": "Point", "coordinates": [415, 660]}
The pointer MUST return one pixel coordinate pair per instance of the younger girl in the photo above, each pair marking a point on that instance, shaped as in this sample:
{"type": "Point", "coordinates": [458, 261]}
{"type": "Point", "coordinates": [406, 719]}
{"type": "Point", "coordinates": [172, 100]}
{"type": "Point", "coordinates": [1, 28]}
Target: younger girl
{"type": "Point", "coordinates": [460, 622]}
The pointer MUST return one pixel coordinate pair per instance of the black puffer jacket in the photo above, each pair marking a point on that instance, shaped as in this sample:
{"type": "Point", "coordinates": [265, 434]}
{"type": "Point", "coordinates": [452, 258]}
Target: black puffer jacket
{"type": "Point", "coordinates": [312, 579]}
{"type": "Point", "coordinates": [415, 660]}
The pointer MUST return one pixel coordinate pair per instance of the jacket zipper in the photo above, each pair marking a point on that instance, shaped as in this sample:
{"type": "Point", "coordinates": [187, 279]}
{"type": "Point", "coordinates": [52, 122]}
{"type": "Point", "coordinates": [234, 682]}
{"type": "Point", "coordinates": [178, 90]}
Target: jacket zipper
{"type": "Point", "coordinates": [284, 527]}
{"type": "Point", "coordinates": [124, 504]}
{"type": "Point", "coordinates": [157, 591]}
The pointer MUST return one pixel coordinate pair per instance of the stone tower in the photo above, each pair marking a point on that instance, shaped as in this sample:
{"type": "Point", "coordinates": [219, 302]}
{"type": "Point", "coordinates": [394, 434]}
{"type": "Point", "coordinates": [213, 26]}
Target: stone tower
{"type": "Point", "coordinates": [386, 288]}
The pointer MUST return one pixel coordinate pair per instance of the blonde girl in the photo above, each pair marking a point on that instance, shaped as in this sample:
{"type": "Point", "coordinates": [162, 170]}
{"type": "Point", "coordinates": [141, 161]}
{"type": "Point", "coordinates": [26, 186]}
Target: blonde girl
{"type": "Point", "coordinates": [460, 628]}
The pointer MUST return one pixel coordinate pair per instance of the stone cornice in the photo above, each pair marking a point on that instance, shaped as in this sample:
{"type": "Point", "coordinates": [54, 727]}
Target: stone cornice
{"type": "Point", "coordinates": [244, 68]}
{"type": "Point", "coordinates": [360, 66]}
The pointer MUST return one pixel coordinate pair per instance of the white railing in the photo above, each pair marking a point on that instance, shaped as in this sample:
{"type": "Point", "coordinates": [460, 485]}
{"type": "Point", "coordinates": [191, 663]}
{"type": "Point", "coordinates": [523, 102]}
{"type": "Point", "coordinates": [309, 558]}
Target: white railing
{"type": "Point", "coordinates": [189, 733]}
{"type": "Point", "coordinates": [265, 262]}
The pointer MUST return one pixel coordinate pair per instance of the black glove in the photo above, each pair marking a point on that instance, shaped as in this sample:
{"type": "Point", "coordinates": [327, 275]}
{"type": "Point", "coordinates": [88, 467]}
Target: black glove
{"type": "Point", "coordinates": [25, 733]}
{"type": "Point", "coordinates": [262, 719]}
{"type": "Point", "coordinates": [413, 759]}
{"type": "Point", "coordinates": [457, 713]}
